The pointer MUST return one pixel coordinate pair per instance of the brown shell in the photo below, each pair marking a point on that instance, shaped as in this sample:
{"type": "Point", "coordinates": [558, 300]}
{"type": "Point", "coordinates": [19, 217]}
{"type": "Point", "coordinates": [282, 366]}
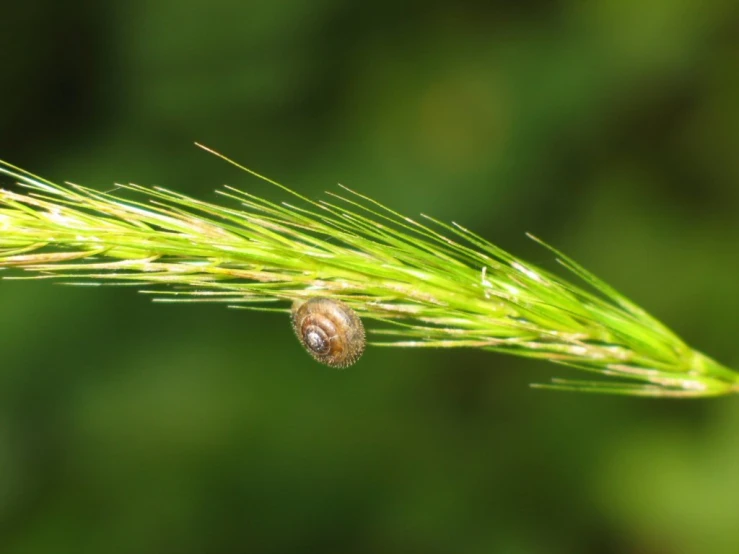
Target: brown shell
{"type": "Point", "coordinates": [329, 330]}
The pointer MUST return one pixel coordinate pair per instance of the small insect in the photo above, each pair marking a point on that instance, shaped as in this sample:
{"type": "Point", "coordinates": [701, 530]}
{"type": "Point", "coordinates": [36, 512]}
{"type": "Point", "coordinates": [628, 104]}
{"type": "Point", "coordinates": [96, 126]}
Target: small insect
{"type": "Point", "coordinates": [329, 330]}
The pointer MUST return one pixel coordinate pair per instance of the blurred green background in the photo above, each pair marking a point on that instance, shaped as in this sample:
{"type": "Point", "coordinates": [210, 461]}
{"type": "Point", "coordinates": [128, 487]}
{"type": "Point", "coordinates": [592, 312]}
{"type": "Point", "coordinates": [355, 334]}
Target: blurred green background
{"type": "Point", "coordinates": [608, 127]}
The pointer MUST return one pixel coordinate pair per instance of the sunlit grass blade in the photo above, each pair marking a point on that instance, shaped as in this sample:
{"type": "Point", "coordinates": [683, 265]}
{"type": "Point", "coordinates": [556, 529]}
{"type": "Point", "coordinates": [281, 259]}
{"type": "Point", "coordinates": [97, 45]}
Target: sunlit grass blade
{"type": "Point", "coordinates": [430, 284]}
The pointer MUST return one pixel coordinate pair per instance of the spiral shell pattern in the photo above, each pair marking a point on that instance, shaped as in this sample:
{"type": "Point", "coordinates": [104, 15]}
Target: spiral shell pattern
{"type": "Point", "coordinates": [329, 330]}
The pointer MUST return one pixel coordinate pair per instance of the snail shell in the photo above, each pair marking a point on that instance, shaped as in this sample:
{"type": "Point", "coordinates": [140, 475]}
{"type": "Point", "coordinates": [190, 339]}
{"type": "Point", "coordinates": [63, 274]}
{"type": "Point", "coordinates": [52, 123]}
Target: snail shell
{"type": "Point", "coordinates": [329, 330]}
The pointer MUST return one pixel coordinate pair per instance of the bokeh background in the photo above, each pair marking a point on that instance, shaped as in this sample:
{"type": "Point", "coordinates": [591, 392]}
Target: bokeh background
{"type": "Point", "coordinates": [610, 128]}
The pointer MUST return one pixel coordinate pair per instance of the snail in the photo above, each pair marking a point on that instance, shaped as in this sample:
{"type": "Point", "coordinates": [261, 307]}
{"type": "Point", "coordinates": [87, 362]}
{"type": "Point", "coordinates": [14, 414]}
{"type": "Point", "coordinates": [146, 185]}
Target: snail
{"type": "Point", "coordinates": [329, 330]}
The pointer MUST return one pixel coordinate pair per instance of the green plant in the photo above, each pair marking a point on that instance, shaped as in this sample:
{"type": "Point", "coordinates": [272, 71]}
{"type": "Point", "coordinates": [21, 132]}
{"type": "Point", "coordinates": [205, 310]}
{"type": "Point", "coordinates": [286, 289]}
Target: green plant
{"type": "Point", "coordinates": [423, 284]}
